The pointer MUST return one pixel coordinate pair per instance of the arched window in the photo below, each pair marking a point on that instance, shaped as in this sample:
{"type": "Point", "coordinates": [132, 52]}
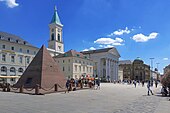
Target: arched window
{"type": "Point", "coordinates": [3, 69]}
{"type": "Point", "coordinates": [20, 70]}
{"type": "Point", "coordinates": [52, 36]}
{"type": "Point", "coordinates": [12, 69]}
{"type": "Point", "coordinates": [58, 37]}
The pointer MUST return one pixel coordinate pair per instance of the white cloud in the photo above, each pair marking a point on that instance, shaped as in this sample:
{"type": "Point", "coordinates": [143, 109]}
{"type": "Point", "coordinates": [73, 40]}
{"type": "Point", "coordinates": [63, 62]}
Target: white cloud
{"type": "Point", "coordinates": [120, 32]}
{"type": "Point", "coordinates": [142, 38]}
{"type": "Point", "coordinates": [109, 41]}
{"type": "Point", "coordinates": [165, 58]}
{"type": "Point", "coordinates": [85, 50]}
{"type": "Point", "coordinates": [91, 48]}
{"type": "Point", "coordinates": [10, 3]}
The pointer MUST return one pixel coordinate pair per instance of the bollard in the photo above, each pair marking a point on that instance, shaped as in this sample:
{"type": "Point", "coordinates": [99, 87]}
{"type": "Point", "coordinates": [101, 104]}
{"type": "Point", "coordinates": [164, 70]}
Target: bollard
{"type": "Point", "coordinates": [37, 89]}
{"type": "Point", "coordinates": [81, 85]}
{"type": "Point", "coordinates": [4, 89]}
{"type": "Point", "coordinates": [8, 88]}
{"type": "Point", "coordinates": [21, 89]}
{"type": "Point", "coordinates": [56, 87]}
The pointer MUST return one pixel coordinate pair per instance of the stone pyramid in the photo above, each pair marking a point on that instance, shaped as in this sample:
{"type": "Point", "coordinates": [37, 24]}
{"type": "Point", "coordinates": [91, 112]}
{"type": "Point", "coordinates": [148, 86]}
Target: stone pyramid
{"type": "Point", "coordinates": [43, 70]}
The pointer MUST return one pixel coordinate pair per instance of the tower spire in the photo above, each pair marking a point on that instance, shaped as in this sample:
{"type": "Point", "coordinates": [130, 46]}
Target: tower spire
{"type": "Point", "coordinates": [55, 8]}
{"type": "Point", "coordinates": [55, 18]}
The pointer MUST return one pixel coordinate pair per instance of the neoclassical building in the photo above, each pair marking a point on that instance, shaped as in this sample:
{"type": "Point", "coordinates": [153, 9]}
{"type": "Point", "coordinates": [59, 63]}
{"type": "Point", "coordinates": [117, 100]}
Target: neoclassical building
{"type": "Point", "coordinates": [105, 63]}
{"type": "Point", "coordinates": [74, 64]}
{"type": "Point", "coordinates": [16, 53]}
{"type": "Point", "coordinates": [135, 70]}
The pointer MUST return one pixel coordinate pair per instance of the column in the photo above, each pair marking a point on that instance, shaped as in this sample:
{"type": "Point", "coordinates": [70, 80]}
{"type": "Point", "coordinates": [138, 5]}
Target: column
{"type": "Point", "coordinates": [114, 77]}
{"type": "Point", "coordinates": [98, 68]}
{"type": "Point", "coordinates": [106, 68]}
{"type": "Point", "coordinates": [109, 70]}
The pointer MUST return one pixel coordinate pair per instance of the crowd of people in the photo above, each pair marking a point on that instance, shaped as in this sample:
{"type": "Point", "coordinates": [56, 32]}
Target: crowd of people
{"type": "Point", "coordinates": [91, 82]}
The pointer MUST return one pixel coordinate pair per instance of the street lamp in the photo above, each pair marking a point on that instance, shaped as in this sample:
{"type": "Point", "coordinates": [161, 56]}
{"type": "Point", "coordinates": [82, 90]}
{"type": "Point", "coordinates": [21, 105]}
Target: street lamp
{"type": "Point", "coordinates": [151, 68]}
{"type": "Point", "coordinates": [157, 65]}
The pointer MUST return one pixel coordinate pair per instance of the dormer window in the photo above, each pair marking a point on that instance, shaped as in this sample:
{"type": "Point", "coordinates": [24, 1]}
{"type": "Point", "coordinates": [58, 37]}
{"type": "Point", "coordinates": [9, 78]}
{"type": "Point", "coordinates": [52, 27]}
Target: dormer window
{"type": "Point", "coordinates": [17, 41]}
{"type": "Point", "coordinates": [24, 42]}
{"type": "Point", "coordinates": [9, 39]}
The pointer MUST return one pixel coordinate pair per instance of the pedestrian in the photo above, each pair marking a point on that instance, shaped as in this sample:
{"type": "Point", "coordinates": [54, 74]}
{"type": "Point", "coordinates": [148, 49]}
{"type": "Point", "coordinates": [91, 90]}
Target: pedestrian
{"type": "Point", "coordinates": [143, 83]}
{"type": "Point", "coordinates": [148, 86]}
{"type": "Point", "coordinates": [156, 83]}
{"type": "Point", "coordinates": [67, 86]}
{"type": "Point", "coordinates": [98, 84]}
{"type": "Point", "coordinates": [134, 82]}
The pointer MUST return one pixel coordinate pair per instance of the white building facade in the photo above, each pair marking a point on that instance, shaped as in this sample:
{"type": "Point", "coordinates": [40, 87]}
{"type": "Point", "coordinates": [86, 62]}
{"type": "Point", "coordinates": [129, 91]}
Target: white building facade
{"type": "Point", "coordinates": [105, 63]}
{"type": "Point", "coordinates": [15, 56]}
{"type": "Point", "coordinates": [75, 64]}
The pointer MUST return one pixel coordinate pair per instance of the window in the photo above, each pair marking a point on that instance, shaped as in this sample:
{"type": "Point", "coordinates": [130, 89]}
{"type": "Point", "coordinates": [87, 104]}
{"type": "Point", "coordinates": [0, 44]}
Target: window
{"type": "Point", "coordinates": [52, 36]}
{"type": "Point", "coordinates": [52, 30]}
{"type": "Point", "coordinates": [9, 39]}
{"type": "Point", "coordinates": [20, 59]}
{"type": "Point", "coordinates": [17, 41]}
{"type": "Point", "coordinates": [3, 46]}
{"type": "Point", "coordinates": [63, 68]}
{"type": "Point", "coordinates": [75, 61]}
{"type": "Point", "coordinates": [24, 42]}
{"type": "Point", "coordinates": [20, 50]}
{"type": "Point", "coordinates": [63, 61]}
{"type": "Point", "coordinates": [3, 69]}
{"type": "Point", "coordinates": [12, 69]}
{"type": "Point", "coordinates": [34, 52]}
{"type": "Point", "coordinates": [90, 69]}
{"type": "Point", "coordinates": [12, 79]}
{"type": "Point", "coordinates": [12, 58]}
{"type": "Point", "coordinates": [20, 70]}
{"type": "Point", "coordinates": [80, 68]}
{"type": "Point", "coordinates": [75, 67]}
{"type": "Point", "coordinates": [28, 60]}
{"type": "Point", "coordinates": [59, 37]}
{"type": "Point", "coordinates": [68, 68]}
{"type": "Point", "coordinates": [12, 48]}
{"type": "Point", "coordinates": [68, 60]}
{"type": "Point", "coordinates": [28, 51]}
{"type": "Point", "coordinates": [3, 57]}
{"type": "Point", "coordinates": [84, 68]}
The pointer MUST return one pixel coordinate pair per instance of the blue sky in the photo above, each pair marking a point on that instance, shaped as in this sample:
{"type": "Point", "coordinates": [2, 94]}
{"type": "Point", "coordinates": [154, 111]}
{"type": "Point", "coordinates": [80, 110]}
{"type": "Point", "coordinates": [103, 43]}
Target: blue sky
{"type": "Point", "coordinates": [137, 28]}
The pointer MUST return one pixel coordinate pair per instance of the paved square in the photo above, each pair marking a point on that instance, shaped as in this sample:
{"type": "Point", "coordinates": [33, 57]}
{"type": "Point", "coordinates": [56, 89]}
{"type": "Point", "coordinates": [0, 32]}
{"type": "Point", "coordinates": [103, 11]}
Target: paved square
{"type": "Point", "coordinates": [111, 98]}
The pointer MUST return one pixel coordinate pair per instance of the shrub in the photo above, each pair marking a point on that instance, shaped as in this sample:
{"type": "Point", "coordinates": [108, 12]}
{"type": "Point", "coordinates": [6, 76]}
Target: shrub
{"type": "Point", "coordinates": [165, 80]}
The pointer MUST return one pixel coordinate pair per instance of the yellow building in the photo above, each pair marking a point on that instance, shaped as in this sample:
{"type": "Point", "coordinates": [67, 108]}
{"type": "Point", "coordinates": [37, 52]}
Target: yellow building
{"type": "Point", "coordinates": [75, 64]}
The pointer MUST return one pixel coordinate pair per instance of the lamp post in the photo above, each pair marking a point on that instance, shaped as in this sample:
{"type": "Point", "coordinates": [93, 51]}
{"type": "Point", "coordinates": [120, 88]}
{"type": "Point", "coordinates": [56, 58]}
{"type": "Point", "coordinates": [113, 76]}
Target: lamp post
{"type": "Point", "coordinates": [157, 66]}
{"type": "Point", "coordinates": [151, 69]}
{"type": "Point", "coordinates": [157, 71]}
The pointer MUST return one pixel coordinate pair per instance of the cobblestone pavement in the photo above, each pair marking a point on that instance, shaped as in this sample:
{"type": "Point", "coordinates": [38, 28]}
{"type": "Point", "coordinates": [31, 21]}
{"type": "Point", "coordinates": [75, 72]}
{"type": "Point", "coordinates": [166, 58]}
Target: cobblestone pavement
{"type": "Point", "coordinates": [111, 98]}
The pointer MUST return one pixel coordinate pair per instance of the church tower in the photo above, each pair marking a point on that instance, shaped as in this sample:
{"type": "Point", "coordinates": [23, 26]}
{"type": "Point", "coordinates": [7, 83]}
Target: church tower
{"type": "Point", "coordinates": [55, 43]}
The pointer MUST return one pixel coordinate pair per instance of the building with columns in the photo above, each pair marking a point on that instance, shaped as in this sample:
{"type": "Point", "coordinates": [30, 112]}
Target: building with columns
{"type": "Point", "coordinates": [105, 63]}
{"type": "Point", "coordinates": [16, 53]}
